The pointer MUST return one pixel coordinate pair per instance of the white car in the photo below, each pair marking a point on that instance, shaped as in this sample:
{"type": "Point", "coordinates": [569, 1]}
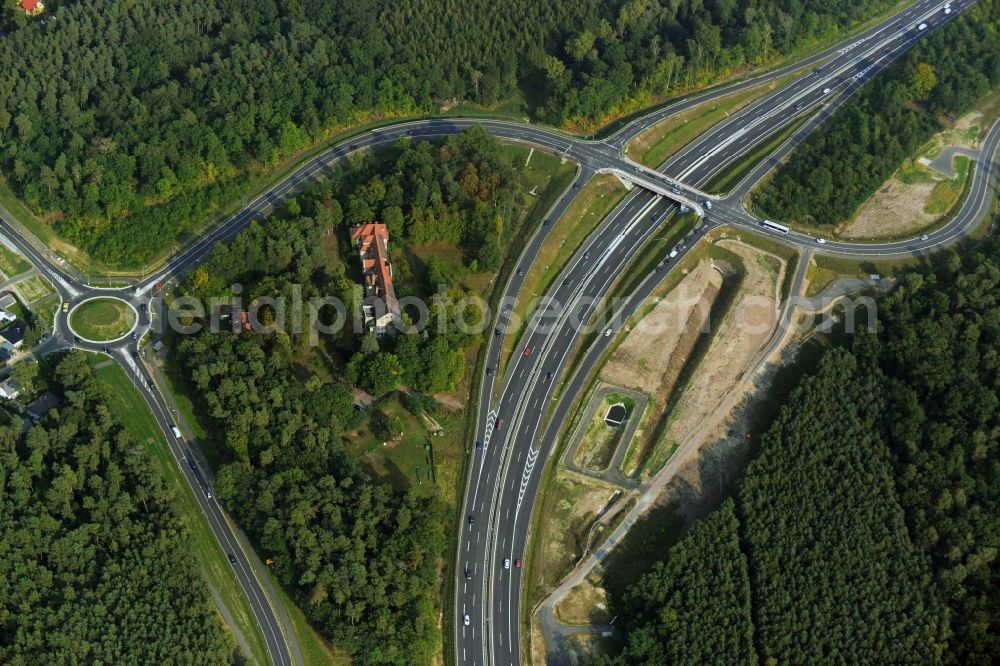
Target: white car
{"type": "Point", "coordinates": [465, 620]}
{"type": "Point", "coordinates": [506, 563]}
{"type": "Point", "coordinates": [821, 241]}
{"type": "Point", "coordinates": [607, 333]}
{"type": "Point", "coordinates": [826, 91]}
{"type": "Point", "coordinates": [708, 205]}
{"type": "Point", "coordinates": [922, 26]}
{"type": "Point", "coordinates": [924, 237]}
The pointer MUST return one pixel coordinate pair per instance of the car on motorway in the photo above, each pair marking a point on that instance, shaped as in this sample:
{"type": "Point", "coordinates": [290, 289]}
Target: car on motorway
{"type": "Point", "coordinates": [673, 253]}
{"type": "Point", "coordinates": [466, 620]}
{"type": "Point", "coordinates": [66, 306]}
{"type": "Point", "coordinates": [550, 375]}
{"type": "Point", "coordinates": [517, 563]}
{"type": "Point", "coordinates": [567, 282]}
{"type": "Point", "coordinates": [527, 351]}
{"type": "Point", "coordinates": [708, 204]}
{"type": "Point", "coordinates": [520, 272]}
{"type": "Point", "coordinates": [586, 255]}
{"type": "Point", "coordinates": [576, 186]}
{"type": "Point", "coordinates": [654, 217]}
{"type": "Point", "coordinates": [496, 331]}
{"type": "Point", "coordinates": [821, 241]}
{"type": "Point", "coordinates": [607, 333]}
{"type": "Point", "coordinates": [354, 146]}
{"type": "Point", "coordinates": [472, 521]}
{"type": "Point", "coordinates": [826, 91]}
{"type": "Point", "coordinates": [924, 237]}
{"type": "Point", "coordinates": [922, 27]}
{"type": "Point", "coordinates": [499, 424]}
{"type": "Point", "coordinates": [468, 574]}
{"type": "Point", "coordinates": [142, 307]}
{"type": "Point", "coordinates": [232, 558]}
{"type": "Point", "coordinates": [409, 132]}
{"type": "Point", "coordinates": [479, 445]}
{"type": "Point", "coordinates": [506, 563]}
{"type": "Point", "coordinates": [546, 222]}
{"type": "Point", "coordinates": [489, 370]}
{"type": "Point", "coordinates": [152, 386]}
{"type": "Point", "coordinates": [208, 493]}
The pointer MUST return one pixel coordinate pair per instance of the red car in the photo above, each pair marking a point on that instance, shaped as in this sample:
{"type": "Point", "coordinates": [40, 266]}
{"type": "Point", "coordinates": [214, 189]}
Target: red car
{"type": "Point", "coordinates": [517, 563]}
{"type": "Point", "coordinates": [527, 351]}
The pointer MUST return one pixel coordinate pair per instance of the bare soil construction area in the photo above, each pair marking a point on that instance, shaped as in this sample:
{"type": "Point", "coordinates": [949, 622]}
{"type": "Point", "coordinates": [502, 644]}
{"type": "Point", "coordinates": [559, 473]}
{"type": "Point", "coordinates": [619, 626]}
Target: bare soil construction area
{"type": "Point", "coordinates": [643, 359]}
{"type": "Point", "coordinates": [737, 341]}
{"type": "Point", "coordinates": [917, 196]}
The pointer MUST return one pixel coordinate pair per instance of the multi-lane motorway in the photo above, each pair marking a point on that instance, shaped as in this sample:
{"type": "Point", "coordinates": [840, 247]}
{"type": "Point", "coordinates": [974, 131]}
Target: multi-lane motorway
{"type": "Point", "coordinates": [516, 428]}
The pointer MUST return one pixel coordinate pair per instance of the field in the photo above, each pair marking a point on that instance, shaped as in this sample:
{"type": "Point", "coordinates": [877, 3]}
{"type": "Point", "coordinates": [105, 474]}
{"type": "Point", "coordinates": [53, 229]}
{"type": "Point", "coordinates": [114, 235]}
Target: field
{"type": "Point", "coordinates": [34, 288]}
{"type": "Point", "coordinates": [102, 319]}
{"type": "Point", "coordinates": [403, 463]}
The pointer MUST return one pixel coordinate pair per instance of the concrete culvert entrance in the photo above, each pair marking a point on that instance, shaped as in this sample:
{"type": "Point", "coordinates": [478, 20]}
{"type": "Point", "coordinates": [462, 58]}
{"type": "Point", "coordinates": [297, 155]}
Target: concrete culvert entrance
{"type": "Point", "coordinates": [616, 415]}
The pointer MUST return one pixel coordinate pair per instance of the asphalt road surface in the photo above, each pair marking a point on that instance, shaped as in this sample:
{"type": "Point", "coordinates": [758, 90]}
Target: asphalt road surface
{"type": "Point", "coordinates": [515, 441]}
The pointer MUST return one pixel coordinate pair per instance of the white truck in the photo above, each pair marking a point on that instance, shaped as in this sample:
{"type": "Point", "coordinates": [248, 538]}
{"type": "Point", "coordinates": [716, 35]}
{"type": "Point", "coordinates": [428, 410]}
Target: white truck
{"type": "Point", "coordinates": [177, 433]}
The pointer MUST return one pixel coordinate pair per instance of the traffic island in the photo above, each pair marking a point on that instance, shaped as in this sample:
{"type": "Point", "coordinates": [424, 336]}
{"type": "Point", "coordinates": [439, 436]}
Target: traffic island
{"type": "Point", "coordinates": [102, 319]}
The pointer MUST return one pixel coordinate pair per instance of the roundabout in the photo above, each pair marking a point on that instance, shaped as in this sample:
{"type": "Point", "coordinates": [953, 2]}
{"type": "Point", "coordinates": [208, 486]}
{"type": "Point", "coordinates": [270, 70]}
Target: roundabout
{"type": "Point", "coordinates": [102, 319]}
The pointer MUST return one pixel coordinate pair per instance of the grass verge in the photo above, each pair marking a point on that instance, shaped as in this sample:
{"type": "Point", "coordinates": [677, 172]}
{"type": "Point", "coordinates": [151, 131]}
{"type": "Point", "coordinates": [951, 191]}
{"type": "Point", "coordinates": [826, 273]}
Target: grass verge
{"type": "Point", "coordinates": [661, 141]}
{"type": "Point", "coordinates": [139, 422]}
{"type": "Point", "coordinates": [593, 203]}
{"type": "Point", "coordinates": [12, 263]}
{"type": "Point", "coordinates": [102, 319]}
{"type": "Point", "coordinates": [732, 175]}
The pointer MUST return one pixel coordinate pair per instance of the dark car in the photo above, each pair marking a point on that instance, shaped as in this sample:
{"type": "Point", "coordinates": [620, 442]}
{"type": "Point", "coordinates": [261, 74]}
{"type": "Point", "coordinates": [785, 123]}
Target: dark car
{"type": "Point", "coordinates": [496, 331]}
{"type": "Point", "coordinates": [152, 386]}
{"type": "Point", "coordinates": [142, 306]}
{"type": "Point", "coordinates": [489, 370]}
{"type": "Point", "coordinates": [550, 375]}
{"type": "Point", "coordinates": [546, 222]}
{"type": "Point", "coordinates": [567, 282]}
{"type": "Point", "coordinates": [409, 132]}
{"type": "Point", "coordinates": [520, 272]}
{"type": "Point", "coordinates": [472, 521]}
{"type": "Point", "coordinates": [479, 445]}
{"type": "Point", "coordinates": [232, 558]}
{"type": "Point", "coordinates": [468, 573]}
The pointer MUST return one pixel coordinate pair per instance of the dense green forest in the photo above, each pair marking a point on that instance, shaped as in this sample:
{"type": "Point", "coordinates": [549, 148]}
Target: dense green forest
{"type": "Point", "coordinates": [846, 161]}
{"type": "Point", "coordinates": [703, 584]}
{"type": "Point", "coordinates": [358, 557]}
{"type": "Point", "coordinates": [94, 566]}
{"type": "Point", "coordinates": [129, 124]}
{"type": "Point", "coordinates": [869, 521]}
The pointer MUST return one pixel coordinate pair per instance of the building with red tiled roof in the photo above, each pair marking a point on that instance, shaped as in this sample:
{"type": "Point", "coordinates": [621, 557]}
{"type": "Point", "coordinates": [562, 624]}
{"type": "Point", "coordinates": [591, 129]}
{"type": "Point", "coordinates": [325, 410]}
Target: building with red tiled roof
{"type": "Point", "coordinates": [380, 309]}
{"type": "Point", "coordinates": [32, 7]}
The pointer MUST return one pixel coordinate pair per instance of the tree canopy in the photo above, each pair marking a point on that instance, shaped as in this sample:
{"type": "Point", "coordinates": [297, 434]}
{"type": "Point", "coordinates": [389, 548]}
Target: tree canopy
{"type": "Point", "coordinates": [94, 563]}
{"type": "Point", "coordinates": [869, 522]}
{"type": "Point", "coordinates": [842, 164]}
{"type": "Point", "coordinates": [130, 124]}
